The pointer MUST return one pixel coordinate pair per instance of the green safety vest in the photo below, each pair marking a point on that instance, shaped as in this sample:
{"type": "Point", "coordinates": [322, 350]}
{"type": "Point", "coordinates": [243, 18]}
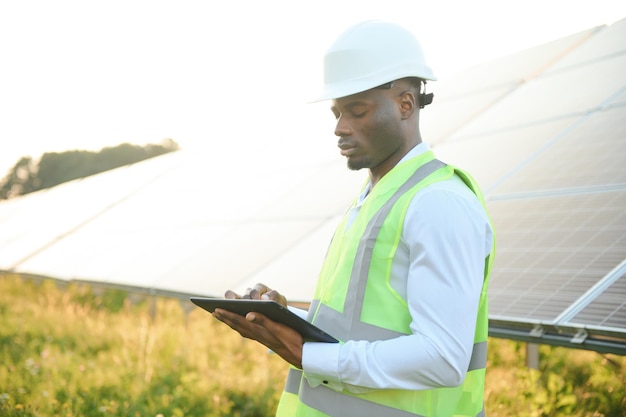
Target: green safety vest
{"type": "Point", "coordinates": [354, 301]}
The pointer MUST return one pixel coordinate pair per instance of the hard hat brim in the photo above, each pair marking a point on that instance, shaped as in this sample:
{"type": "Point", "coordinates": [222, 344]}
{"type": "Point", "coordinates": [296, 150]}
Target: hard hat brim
{"type": "Point", "coordinates": [344, 89]}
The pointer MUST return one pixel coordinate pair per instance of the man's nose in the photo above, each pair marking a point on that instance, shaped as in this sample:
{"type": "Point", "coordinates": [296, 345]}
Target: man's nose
{"type": "Point", "coordinates": [342, 128]}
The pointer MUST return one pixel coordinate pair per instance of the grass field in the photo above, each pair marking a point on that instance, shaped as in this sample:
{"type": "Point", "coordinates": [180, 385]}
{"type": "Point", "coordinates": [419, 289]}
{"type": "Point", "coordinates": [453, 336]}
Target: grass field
{"type": "Point", "coordinates": [74, 351]}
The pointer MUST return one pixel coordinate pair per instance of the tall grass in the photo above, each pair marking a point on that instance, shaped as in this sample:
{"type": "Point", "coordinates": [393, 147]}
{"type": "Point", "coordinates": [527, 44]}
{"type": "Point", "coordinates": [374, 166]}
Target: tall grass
{"type": "Point", "coordinates": [71, 353]}
{"type": "Point", "coordinates": [74, 351]}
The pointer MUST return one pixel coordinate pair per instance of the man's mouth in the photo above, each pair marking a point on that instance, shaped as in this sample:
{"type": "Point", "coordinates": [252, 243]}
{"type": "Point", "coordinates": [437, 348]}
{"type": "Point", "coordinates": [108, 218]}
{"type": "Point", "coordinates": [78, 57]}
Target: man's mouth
{"type": "Point", "coordinates": [346, 149]}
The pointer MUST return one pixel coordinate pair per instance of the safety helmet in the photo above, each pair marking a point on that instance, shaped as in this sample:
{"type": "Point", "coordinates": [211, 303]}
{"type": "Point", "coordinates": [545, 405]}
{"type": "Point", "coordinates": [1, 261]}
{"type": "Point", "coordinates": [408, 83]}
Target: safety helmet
{"type": "Point", "coordinates": [370, 54]}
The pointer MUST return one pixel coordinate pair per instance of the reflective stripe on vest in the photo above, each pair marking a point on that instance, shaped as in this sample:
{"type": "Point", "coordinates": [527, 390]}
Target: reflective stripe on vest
{"type": "Point", "coordinates": [326, 400]}
{"type": "Point", "coordinates": [348, 326]}
{"type": "Point", "coordinates": [358, 280]}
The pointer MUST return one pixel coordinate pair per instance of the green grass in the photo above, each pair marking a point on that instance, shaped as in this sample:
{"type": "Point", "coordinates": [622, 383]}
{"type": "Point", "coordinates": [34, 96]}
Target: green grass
{"type": "Point", "coordinates": [75, 351]}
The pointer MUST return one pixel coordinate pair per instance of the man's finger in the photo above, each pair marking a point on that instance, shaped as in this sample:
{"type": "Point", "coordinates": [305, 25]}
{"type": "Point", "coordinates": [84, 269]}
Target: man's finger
{"type": "Point", "coordinates": [258, 291]}
{"type": "Point", "coordinates": [231, 295]}
{"type": "Point", "coordinates": [275, 296]}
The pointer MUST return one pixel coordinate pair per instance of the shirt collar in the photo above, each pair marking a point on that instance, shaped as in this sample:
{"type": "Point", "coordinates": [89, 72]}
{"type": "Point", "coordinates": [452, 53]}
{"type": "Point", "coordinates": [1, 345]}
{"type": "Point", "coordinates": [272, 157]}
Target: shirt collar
{"type": "Point", "coordinates": [419, 149]}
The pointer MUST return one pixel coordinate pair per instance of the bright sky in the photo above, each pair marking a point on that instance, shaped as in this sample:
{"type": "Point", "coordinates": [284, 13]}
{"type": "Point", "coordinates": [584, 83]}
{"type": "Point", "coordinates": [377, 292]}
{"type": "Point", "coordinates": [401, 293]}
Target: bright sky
{"type": "Point", "coordinates": [221, 76]}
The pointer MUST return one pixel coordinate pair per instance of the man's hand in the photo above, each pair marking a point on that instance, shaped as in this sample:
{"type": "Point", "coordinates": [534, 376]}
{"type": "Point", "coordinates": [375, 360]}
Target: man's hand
{"type": "Point", "coordinates": [281, 339]}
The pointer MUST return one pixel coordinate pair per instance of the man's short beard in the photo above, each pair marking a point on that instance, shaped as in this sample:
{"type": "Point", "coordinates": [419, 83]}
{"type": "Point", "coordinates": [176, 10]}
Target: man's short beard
{"type": "Point", "coordinates": [358, 164]}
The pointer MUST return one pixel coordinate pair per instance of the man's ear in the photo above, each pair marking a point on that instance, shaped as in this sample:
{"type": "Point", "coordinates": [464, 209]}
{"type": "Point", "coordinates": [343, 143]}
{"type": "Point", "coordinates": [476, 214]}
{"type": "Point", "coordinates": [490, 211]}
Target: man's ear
{"type": "Point", "coordinates": [408, 104]}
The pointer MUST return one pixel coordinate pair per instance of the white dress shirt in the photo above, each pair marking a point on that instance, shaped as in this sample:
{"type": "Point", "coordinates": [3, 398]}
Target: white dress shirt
{"type": "Point", "coordinates": [439, 272]}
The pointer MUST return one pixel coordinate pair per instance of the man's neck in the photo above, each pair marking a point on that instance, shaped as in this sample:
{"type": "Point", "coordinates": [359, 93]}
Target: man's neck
{"type": "Point", "coordinates": [416, 150]}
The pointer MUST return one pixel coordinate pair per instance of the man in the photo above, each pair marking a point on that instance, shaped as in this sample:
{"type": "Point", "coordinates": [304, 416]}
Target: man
{"type": "Point", "coordinates": [404, 282]}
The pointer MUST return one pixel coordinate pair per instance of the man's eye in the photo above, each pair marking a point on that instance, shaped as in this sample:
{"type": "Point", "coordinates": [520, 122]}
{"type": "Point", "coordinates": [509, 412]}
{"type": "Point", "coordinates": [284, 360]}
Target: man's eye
{"type": "Point", "coordinates": [358, 114]}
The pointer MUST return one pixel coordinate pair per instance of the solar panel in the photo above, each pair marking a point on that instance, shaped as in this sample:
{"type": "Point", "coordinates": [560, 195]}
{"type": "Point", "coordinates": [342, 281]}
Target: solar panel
{"type": "Point", "coordinates": [493, 156]}
{"type": "Point", "coordinates": [573, 92]}
{"type": "Point", "coordinates": [34, 221]}
{"type": "Point", "coordinates": [591, 153]}
{"type": "Point", "coordinates": [606, 43]}
{"type": "Point", "coordinates": [553, 249]}
{"type": "Point", "coordinates": [512, 69]}
{"type": "Point", "coordinates": [457, 111]}
{"type": "Point", "coordinates": [460, 100]}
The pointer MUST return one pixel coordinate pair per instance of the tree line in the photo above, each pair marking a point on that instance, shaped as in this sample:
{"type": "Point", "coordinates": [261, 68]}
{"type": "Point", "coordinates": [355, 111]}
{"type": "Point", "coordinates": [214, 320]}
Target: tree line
{"type": "Point", "coordinates": [54, 168]}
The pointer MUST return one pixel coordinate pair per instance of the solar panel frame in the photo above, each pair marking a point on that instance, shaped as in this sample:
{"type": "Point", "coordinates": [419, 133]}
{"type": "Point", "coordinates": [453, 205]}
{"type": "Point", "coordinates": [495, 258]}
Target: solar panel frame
{"type": "Point", "coordinates": [607, 309]}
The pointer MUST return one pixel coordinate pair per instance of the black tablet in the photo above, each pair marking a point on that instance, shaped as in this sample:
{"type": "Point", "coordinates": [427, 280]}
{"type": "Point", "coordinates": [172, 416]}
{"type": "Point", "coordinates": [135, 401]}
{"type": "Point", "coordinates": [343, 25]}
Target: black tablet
{"type": "Point", "coordinates": [271, 309]}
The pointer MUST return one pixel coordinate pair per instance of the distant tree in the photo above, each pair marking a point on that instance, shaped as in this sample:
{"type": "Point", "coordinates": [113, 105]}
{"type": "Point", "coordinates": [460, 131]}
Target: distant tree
{"type": "Point", "coordinates": [21, 179]}
{"type": "Point", "coordinates": [54, 168]}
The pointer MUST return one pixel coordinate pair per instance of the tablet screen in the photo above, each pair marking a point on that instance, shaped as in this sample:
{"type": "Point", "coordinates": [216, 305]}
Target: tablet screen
{"type": "Point", "coordinates": [273, 310]}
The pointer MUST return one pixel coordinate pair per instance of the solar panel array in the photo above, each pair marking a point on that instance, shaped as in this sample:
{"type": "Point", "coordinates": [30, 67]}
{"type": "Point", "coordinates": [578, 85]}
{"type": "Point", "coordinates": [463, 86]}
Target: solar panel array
{"type": "Point", "coordinates": [158, 225]}
{"type": "Point", "coordinates": [543, 131]}
{"type": "Point", "coordinates": [557, 190]}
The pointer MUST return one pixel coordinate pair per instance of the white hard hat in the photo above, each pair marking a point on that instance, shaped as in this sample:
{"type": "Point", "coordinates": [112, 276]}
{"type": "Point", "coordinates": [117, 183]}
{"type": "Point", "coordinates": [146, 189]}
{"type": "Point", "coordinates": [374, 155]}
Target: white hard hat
{"type": "Point", "coordinates": [370, 54]}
